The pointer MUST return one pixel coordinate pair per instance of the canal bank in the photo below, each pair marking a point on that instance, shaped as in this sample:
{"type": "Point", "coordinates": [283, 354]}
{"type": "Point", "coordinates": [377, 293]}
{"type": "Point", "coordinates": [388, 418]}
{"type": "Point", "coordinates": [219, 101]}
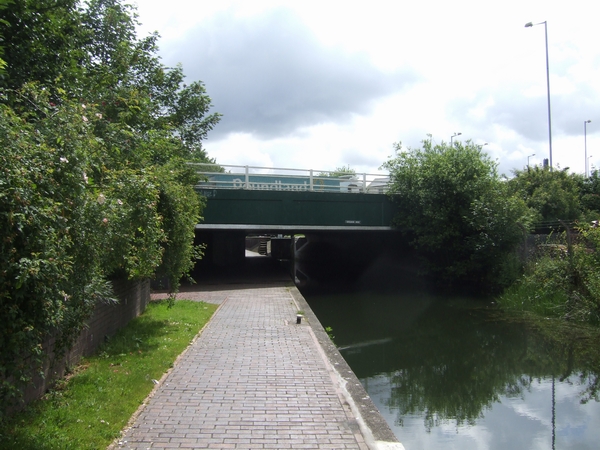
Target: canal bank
{"type": "Point", "coordinates": [255, 378]}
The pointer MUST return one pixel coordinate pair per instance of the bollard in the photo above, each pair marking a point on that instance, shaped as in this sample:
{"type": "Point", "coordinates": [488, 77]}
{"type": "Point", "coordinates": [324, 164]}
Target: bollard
{"type": "Point", "coordinates": [298, 319]}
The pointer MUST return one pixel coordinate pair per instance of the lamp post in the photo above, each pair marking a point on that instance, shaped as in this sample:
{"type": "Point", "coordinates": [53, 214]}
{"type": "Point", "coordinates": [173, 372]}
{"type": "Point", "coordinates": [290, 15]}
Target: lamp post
{"type": "Point", "coordinates": [527, 25]}
{"type": "Point", "coordinates": [585, 122]}
{"type": "Point", "coordinates": [533, 154]}
{"type": "Point", "coordinates": [452, 137]}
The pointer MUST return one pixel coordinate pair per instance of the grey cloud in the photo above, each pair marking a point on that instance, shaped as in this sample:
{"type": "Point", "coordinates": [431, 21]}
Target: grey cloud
{"type": "Point", "coordinates": [269, 75]}
{"type": "Point", "coordinates": [529, 116]}
{"type": "Point", "coordinates": [511, 109]}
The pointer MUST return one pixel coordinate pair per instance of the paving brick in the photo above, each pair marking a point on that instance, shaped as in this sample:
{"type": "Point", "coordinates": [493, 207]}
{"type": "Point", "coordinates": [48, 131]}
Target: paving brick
{"type": "Point", "coordinates": [252, 379]}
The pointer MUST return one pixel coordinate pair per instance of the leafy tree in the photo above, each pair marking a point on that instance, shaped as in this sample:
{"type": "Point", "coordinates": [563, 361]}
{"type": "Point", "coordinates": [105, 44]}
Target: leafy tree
{"type": "Point", "coordinates": [552, 195]}
{"type": "Point", "coordinates": [95, 134]}
{"type": "Point", "coordinates": [457, 212]}
{"type": "Point", "coordinates": [42, 42]}
{"type": "Point", "coordinates": [3, 23]}
{"type": "Point", "coordinates": [590, 194]}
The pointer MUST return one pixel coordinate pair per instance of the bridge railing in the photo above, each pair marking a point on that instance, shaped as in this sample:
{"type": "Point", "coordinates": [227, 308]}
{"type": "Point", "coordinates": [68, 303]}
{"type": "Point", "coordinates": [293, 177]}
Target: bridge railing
{"type": "Point", "coordinates": [223, 176]}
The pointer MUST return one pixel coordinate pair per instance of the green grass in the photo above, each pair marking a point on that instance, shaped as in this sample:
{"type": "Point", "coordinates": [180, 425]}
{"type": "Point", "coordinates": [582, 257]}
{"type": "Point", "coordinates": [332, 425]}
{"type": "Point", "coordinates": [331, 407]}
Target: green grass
{"type": "Point", "coordinates": [89, 408]}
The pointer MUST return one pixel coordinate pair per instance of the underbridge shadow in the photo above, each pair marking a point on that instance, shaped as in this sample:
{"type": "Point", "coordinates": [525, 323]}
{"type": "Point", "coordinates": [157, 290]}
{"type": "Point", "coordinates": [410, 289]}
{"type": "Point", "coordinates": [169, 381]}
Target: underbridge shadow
{"type": "Point", "coordinates": [254, 270]}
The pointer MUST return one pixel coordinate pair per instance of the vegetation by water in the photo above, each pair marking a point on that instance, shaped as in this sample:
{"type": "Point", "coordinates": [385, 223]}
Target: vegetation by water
{"type": "Point", "coordinates": [561, 280]}
{"type": "Point", "coordinates": [457, 213]}
{"type": "Point", "coordinates": [469, 226]}
{"type": "Point", "coordinates": [93, 404]}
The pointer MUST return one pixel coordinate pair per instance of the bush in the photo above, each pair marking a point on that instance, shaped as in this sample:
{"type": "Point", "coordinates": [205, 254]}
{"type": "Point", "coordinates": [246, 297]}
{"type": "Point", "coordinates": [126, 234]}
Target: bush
{"type": "Point", "coordinates": [458, 213]}
{"type": "Point", "coordinates": [561, 281]}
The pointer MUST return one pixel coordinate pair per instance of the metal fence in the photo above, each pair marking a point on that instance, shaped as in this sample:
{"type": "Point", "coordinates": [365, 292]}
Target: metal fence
{"type": "Point", "coordinates": [221, 176]}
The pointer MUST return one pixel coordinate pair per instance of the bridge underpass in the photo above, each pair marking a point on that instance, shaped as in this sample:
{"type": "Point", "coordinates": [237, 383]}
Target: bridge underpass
{"type": "Point", "coordinates": [339, 220]}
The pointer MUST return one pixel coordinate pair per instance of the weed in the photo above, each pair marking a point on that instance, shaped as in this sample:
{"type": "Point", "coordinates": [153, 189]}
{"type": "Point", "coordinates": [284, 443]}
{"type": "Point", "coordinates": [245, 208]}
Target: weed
{"type": "Point", "coordinates": [329, 332]}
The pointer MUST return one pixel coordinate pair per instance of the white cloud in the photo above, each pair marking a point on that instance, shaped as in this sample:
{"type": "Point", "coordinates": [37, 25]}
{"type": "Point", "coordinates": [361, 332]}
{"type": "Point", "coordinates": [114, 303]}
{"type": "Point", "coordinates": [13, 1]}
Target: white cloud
{"type": "Point", "coordinates": [338, 83]}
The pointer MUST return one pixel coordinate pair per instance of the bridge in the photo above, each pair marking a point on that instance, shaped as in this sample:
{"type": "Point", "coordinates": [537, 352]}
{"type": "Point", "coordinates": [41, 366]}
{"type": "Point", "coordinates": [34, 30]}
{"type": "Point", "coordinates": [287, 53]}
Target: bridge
{"type": "Point", "coordinates": [247, 201]}
{"type": "Point", "coordinates": [292, 200]}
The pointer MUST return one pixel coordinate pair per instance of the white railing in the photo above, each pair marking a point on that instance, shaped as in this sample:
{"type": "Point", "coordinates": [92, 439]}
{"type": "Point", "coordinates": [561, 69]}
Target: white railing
{"type": "Point", "coordinates": [223, 176]}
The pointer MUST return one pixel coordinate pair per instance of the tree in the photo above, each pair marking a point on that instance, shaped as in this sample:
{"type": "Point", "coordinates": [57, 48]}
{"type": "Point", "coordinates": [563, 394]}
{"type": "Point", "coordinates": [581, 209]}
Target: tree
{"type": "Point", "coordinates": [42, 42]}
{"type": "Point", "coordinates": [457, 212]}
{"type": "Point", "coordinates": [590, 195]}
{"type": "Point", "coordinates": [552, 195]}
{"type": "Point", "coordinates": [95, 135]}
{"type": "Point", "coordinates": [3, 5]}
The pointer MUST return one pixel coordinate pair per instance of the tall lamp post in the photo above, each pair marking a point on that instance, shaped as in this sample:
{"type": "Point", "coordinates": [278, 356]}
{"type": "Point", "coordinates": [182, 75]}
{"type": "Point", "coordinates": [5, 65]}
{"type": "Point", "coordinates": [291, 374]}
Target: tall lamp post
{"type": "Point", "coordinates": [452, 137]}
{"type": "Point", "coordinates": [528, 160]}
{"type": "Point", "coordinates": [585, 122]}
{"type": "Point", "coordinates": [527, 25]}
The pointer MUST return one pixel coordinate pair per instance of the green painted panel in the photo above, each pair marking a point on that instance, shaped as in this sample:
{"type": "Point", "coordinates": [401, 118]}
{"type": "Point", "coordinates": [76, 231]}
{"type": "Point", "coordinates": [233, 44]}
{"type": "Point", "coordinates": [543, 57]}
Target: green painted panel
{"type": "Point", "coordinates": [229, 206]}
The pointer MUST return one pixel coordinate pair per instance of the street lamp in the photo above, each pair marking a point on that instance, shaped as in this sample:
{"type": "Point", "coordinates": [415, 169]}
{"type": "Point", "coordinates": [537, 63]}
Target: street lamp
{"type": "Point", "coordinates": [585, 122]}
{"type": "Point", "coordinates": [527, 25]}
{"type": "Point", "coordinates": [452, 137]}
{"type": "Point", "coordinates": [528, 160]}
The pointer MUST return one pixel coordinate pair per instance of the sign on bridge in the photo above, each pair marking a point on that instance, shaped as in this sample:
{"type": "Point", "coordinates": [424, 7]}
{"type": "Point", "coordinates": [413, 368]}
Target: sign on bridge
{"type": "Point", "coordinates": [277, 179]}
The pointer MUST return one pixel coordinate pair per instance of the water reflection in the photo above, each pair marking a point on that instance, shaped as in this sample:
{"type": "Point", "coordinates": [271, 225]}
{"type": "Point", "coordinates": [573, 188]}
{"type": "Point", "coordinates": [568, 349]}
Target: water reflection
{"type": "Point", "coordinates": [458, 374]}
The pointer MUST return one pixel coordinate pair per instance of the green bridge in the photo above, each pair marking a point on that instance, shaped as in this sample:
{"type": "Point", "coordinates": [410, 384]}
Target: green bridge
{"type": "Point", "coordinates": [253, 201]}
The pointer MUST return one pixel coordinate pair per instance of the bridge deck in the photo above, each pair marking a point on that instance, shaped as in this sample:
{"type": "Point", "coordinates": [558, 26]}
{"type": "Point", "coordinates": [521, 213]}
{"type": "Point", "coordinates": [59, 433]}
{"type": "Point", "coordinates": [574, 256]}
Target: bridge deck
{"type": "Point", "coordinates": [295, 210]}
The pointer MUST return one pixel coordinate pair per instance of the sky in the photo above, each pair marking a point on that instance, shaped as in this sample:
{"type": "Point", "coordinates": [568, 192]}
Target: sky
{"type": "Point", "coordinates": [325, 84]}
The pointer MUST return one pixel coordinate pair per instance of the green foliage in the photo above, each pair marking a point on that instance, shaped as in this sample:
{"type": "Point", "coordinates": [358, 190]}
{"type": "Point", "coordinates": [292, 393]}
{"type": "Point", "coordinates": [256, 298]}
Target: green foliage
{"type": "Point", "coordinates": [91, 407]}
{"type": "Point", "coordinates": [342, 171]}
{"type": "Point", "coordinates": [95, 134]}
{"type": "Point", "coordinates": [41, 38]}
{"type": "Point", "coordinates": [179, 206]}
{"type": "Point", "coordinates": [590, 195]}
{"type": "Point", "coordinates": [3, 5]}
{"type": "Point", "coordinates": [552, 195]}
{"type": "Point", "coordinates": [43, 285]}
{"type": "Point", "coordinates": [457, 212]}
{"type": "Point", "coordinates": [561, 281]}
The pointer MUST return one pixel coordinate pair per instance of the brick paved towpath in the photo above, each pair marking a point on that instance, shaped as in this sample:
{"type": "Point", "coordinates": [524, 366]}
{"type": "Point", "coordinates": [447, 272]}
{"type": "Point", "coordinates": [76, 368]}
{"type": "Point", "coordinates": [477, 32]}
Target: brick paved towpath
{"type": "Point", "coordinates": [254, 379]}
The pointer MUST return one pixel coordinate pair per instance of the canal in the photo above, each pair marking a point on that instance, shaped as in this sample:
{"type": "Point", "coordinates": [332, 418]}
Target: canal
{"type": "Point", "coordinates": [456, 373]}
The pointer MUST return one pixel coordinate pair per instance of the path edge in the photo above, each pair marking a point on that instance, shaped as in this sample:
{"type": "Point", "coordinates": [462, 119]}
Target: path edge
{"type": "Point", "coordinates": [377, 429]}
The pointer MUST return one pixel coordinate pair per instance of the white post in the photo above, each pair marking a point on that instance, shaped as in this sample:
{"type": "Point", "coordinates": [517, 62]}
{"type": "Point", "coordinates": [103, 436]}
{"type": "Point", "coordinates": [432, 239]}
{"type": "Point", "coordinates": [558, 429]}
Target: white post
{"type": "Point", "coordinates": [311, 180]}
{"type": "Point", "coordinates": [247, 178]}
{"type": "Point", "coordinates": [364, 183]}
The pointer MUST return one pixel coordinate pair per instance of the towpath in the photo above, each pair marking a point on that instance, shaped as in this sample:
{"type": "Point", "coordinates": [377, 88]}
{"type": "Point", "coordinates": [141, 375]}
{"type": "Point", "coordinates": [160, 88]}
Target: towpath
{"type": "Point", "coordinates": [255, 379]}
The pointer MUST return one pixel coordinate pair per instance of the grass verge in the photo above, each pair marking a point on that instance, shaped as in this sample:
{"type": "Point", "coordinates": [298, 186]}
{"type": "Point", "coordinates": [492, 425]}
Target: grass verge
{"type": "Point", "coordinates": [89, 408]}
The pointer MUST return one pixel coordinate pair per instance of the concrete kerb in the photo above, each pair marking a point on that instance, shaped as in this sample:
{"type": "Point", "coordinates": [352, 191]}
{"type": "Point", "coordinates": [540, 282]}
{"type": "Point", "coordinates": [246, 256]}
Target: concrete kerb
{"type": "Point", "coordinates": [376, 431]}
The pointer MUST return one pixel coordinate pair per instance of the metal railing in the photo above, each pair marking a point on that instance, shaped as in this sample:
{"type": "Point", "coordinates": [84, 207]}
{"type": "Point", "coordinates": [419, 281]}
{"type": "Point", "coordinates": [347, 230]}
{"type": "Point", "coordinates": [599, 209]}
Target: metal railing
{"type": "Point", "coordinates": [223, 176]}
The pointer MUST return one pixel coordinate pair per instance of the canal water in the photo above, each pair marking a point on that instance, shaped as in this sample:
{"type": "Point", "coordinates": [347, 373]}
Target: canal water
{"type": "Point", "coordinates": [452, 373]}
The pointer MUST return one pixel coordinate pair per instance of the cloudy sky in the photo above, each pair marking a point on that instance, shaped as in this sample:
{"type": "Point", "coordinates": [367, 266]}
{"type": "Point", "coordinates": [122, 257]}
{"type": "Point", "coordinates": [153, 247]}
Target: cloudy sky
{"type": "Point", "coordinates": [324, 84]}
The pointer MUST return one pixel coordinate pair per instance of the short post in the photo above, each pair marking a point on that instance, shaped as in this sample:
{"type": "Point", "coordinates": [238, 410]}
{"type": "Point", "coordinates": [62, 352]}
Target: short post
{"type": "Point", "coordinates": [298, 319]}
{"type": "Point", "coordinates": [247, 178]}
{"type": "Point", "coordinates": [311, 180]}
